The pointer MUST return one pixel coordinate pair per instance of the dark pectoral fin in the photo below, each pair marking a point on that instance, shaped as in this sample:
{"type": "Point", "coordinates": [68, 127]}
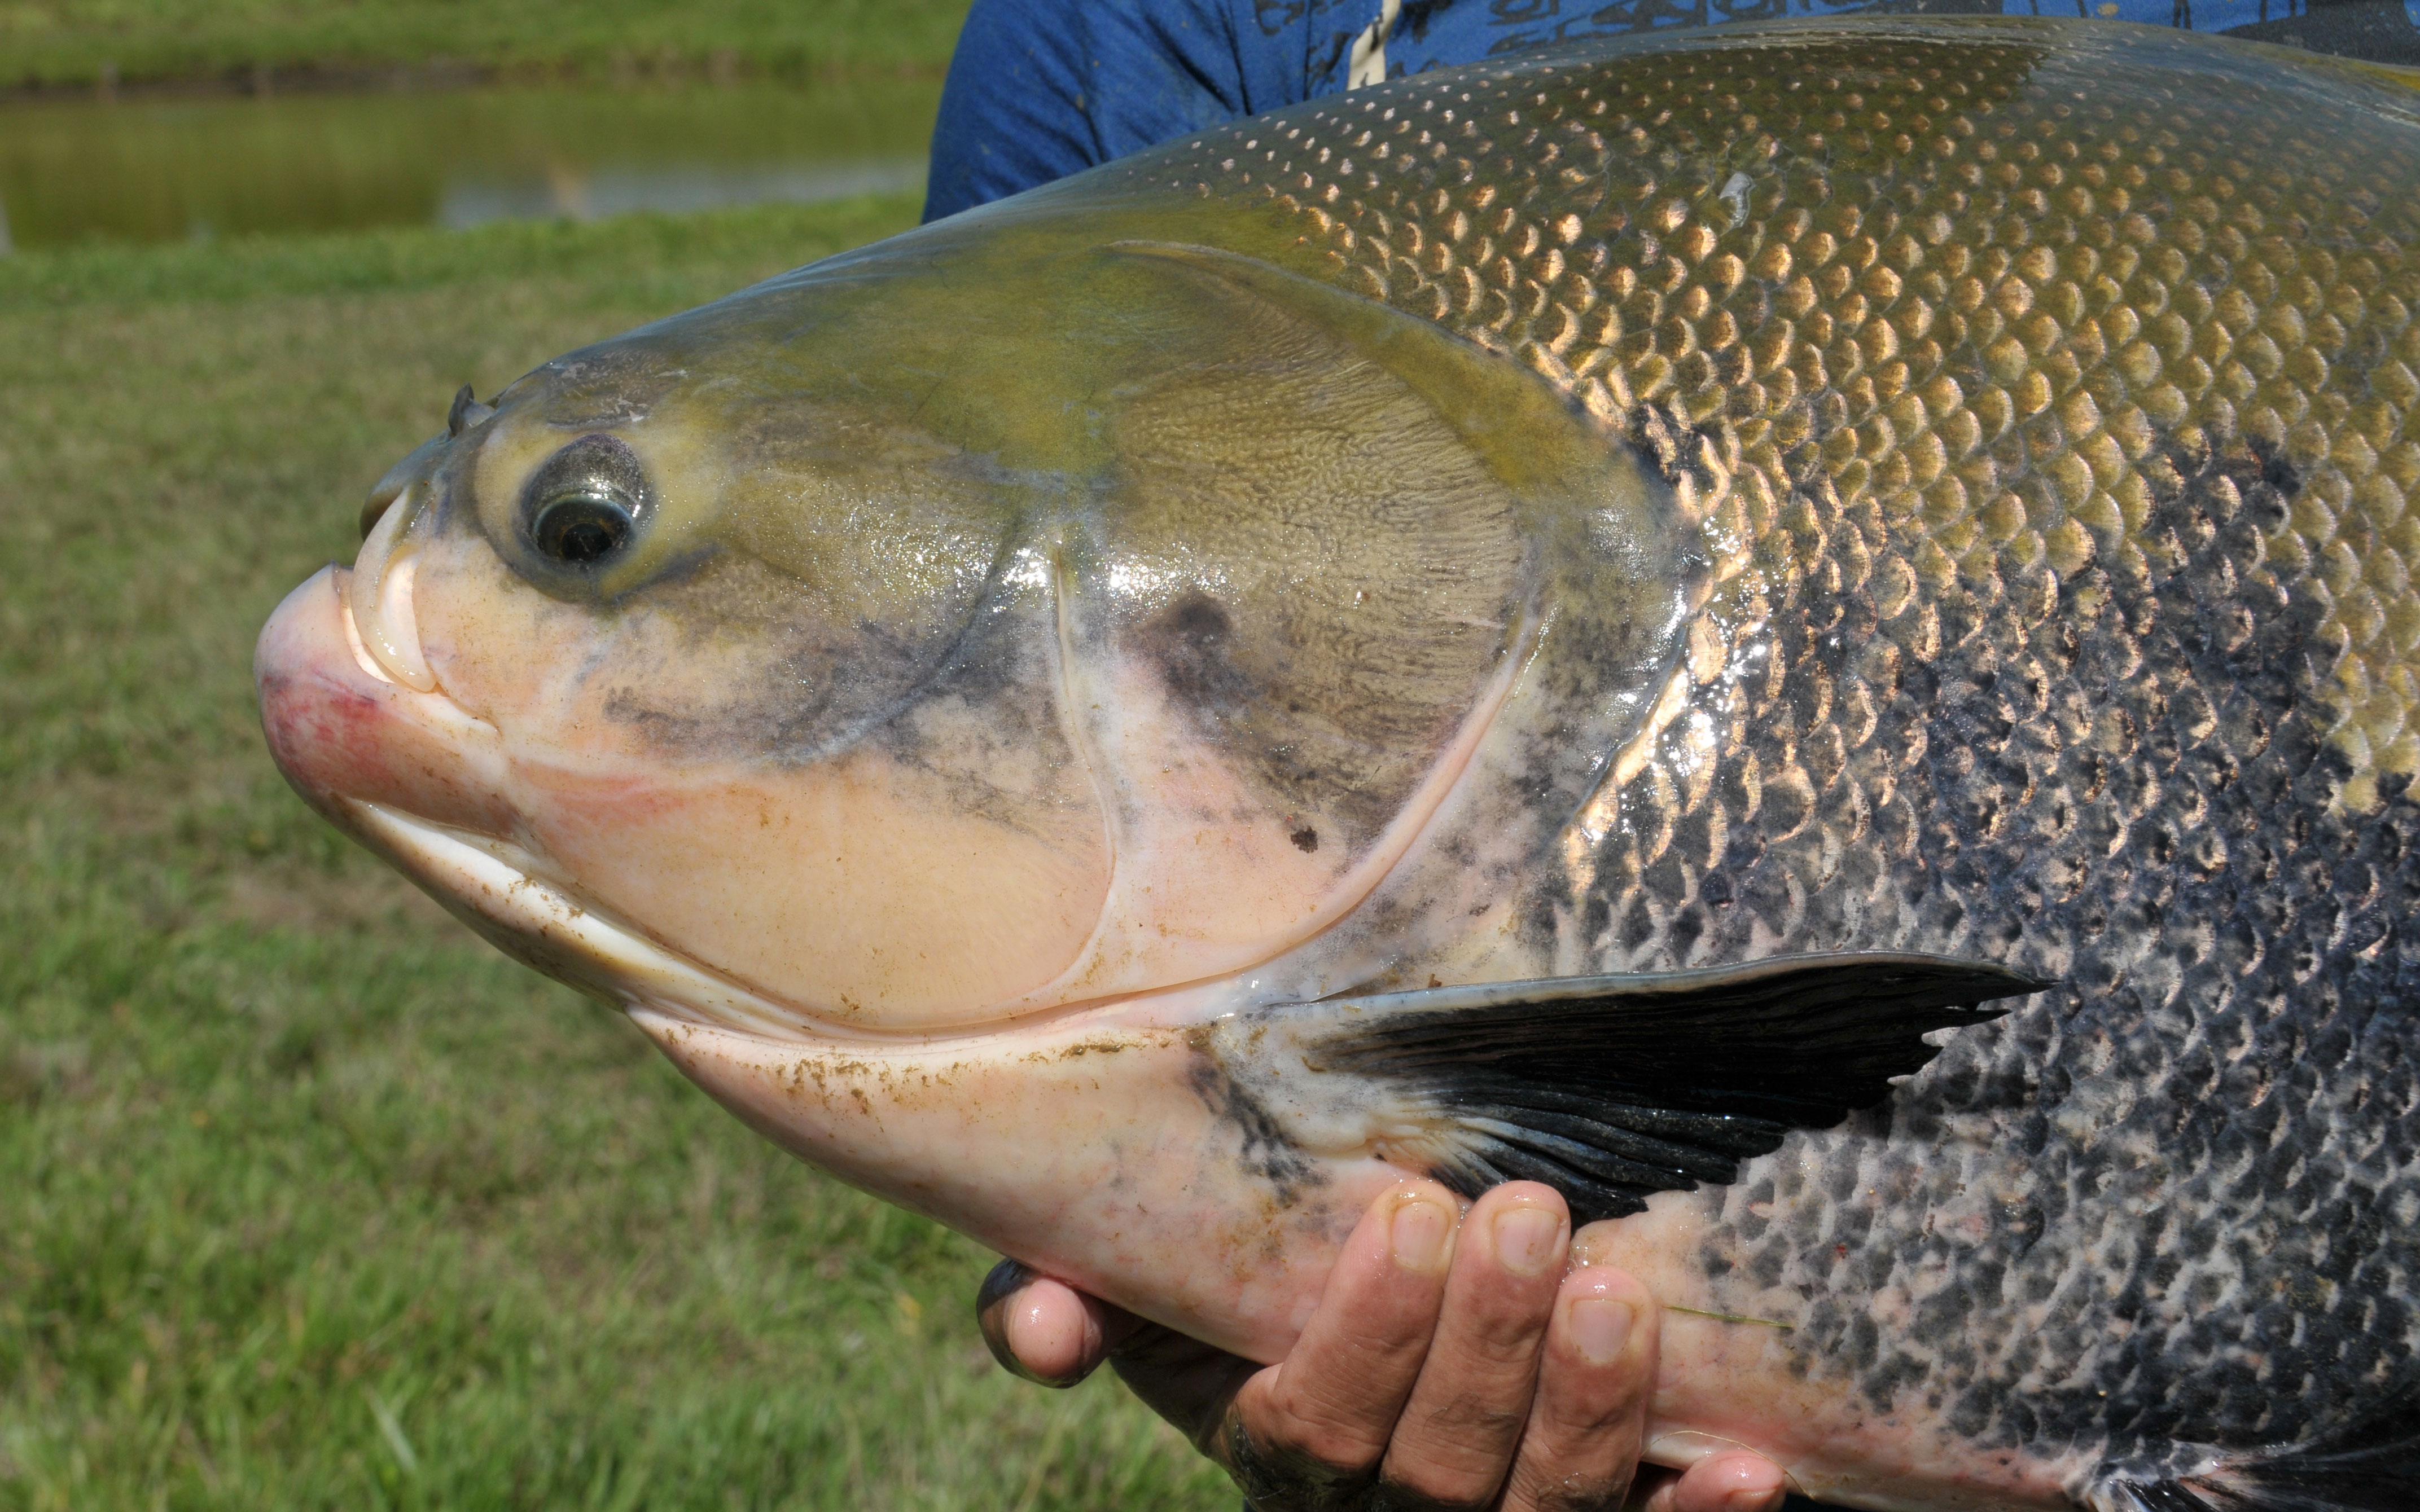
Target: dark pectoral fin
{"type": "Point", "coordinates": [1611, 1088]}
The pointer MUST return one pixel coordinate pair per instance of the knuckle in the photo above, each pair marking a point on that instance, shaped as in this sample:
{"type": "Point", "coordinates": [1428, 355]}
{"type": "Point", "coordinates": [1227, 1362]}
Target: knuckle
{"type": "Point", "coordinates": [1341, 1432]}
{"type": "Point", "coordinates": [1579, 1416]}
{"type": "Point", "coordinates": [1506, 1341]}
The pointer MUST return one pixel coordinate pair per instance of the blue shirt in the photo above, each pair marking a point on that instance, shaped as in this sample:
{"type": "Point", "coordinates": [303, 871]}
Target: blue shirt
{"type": "Point", "coordinates": [1041, 88]}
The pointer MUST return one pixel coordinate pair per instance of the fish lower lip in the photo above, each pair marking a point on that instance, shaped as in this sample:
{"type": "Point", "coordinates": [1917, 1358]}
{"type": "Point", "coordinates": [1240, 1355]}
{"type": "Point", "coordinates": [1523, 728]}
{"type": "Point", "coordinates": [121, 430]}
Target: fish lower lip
{"type": "Point", "coordinates": [494, 883]}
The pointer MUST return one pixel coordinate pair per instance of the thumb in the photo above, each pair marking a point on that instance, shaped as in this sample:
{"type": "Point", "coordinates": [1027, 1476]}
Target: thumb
{"type": "Point", "coordinates": [1048, 1332]}
{"type": "Point", "coordinates": [1045, 1329]}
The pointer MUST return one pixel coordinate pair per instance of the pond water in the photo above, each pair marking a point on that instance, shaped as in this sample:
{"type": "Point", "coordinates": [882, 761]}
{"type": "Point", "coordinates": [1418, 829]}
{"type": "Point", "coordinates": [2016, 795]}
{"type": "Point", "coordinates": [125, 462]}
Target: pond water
{"type": "Point", "coordinates": [180, 169]}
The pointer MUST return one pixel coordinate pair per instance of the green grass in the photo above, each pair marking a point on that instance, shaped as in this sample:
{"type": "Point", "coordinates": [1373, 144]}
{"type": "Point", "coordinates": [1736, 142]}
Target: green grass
{"type": "Point", "coordinates": [72, 41]}
{"type": "Point", "coordinates": [307, 1199]}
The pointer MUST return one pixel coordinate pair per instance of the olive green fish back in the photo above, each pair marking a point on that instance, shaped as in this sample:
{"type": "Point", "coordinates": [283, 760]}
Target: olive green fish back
{"type": "Point", "coordinates": [1924, 315]}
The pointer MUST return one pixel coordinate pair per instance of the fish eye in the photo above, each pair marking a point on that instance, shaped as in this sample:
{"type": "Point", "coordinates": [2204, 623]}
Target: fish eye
{"type": "Point", "coordinates": [584, 505]}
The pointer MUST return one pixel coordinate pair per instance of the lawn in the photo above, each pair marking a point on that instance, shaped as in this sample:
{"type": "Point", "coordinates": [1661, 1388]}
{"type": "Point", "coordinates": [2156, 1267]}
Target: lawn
{"type": "Point", "coordinates": [54, 42]}
{"type": "Point", "coordinates": [306, 1197]}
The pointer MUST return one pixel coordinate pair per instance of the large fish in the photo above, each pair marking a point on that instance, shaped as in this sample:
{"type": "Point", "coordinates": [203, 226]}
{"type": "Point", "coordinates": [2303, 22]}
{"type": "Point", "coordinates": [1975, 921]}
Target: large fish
{"type": "Point", "coordinates": [1554, 620]}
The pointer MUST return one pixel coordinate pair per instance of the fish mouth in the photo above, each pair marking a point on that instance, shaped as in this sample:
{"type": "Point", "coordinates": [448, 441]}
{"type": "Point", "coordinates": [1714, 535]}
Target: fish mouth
{"type": "Point", "coordinates": [432, 788]}
{"type": "Point", "coordinates": [494, 885]}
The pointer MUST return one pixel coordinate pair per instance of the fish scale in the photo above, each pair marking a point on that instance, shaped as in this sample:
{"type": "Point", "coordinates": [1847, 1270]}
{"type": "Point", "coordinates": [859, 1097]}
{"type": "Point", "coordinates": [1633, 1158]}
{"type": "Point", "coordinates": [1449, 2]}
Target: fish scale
{"type": "Point", "coordinates": [2048, 414]}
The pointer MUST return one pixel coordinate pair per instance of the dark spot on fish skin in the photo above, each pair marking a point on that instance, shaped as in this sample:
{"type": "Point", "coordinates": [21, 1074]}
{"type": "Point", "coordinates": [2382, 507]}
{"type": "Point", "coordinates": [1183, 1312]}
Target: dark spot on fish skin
{"type": "Point", "coordinates": [1188, 641]}
{"type": "Point", "coordinates": [1668, 879]}
{"type": "Point", "coordinates": [1196, 619]}
{"type": "Point", "coordinates": [662, 727]}
{"type": "Point", "coordinates": [1686, 927]}
{"type": "Point", "coordinates": [1883, 1385]}
{"type": "Point", "coordinates": [1540, 919]}
{"type": "Point", "coordinates": [820, 686]}
{"type": "Point", "coordinates": [1196, 647]}
{"type": "Point", "coordinates": [1766, 1266]}
{"type": "Point", "coordinates": [2023, 1224]}
{"type": "Point", "coordinates": [2276, 471]}
{"type": "Point", "coordinates": [1596, 913]}
{"type": "Point", "coordinates": [1305, 840]}
{"type": "Point", "coordinates": [824, 690]}
{"type": "Point", "coordinates": [1266, 1154]}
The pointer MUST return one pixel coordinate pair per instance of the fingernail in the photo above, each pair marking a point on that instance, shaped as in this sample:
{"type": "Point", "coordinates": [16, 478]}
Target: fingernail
{"type": "Point", "coordinates": [1599, 1327]}
{"type": "Point", "coordinates": [1418, 1234]}
{"type": "Point", "coordinates": [1527, 1240]}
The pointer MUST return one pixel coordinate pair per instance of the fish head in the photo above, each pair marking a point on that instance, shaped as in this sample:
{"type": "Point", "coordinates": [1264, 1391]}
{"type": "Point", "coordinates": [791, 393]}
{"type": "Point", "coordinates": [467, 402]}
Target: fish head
{"type": "Point", "coordinates": [650, 649]}
{"type": "Point", "coordinates": [1020, 614]}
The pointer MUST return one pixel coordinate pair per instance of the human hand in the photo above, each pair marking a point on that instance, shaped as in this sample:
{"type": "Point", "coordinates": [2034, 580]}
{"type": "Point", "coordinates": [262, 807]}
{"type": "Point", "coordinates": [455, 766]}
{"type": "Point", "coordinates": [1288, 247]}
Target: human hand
{"type": "Point", "coordinates": [1444, 1367]}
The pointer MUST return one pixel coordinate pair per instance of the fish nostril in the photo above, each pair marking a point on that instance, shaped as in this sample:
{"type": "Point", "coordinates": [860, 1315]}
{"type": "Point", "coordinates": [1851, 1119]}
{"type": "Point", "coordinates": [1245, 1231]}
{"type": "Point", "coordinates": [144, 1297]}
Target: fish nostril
{"type": "Point", "coordinates": [414, 469]}
{"type": "Point", "coordinates": [465, 413]}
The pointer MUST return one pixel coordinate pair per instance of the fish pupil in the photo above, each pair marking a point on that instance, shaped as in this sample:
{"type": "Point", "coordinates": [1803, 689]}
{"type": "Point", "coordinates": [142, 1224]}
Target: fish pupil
{"type": "Point", "coordinates": [581, 529]}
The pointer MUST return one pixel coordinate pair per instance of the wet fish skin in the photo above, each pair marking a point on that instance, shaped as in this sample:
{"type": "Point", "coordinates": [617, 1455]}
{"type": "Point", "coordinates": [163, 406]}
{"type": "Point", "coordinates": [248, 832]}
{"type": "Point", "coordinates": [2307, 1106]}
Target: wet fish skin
{"type": "Point", "coordinates": [2014, 570]}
